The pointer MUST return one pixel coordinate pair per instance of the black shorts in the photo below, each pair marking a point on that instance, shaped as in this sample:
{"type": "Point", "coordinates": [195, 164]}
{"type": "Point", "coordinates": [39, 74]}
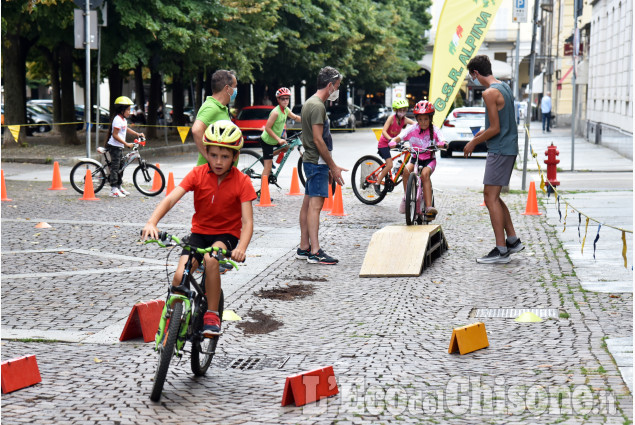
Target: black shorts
{"type": "Point", "coordinates": [204, 241]}
{"type": "Point", "coordinates": [384, 153]}
{"type": "Point", "coordinates": [422, 162]}
{"type": "Point", "coordinates": [267, 149]}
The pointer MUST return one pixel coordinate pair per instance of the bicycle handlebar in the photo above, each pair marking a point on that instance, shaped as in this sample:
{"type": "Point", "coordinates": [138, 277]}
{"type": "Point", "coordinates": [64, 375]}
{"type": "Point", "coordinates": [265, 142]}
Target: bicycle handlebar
{"type": "Point", "coordinates": [222, 255]}
{"type": "Point", "coordinates": [140, 141]}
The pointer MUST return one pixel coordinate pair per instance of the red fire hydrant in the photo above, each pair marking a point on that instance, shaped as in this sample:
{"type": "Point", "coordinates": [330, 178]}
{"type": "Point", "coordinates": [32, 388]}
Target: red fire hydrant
{"type": "Point", "coordinates": [551, 161]}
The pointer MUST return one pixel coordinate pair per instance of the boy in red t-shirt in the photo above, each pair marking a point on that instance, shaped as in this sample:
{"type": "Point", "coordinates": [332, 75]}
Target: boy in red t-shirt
{"type": "Point", "coordinates": [222, 218]}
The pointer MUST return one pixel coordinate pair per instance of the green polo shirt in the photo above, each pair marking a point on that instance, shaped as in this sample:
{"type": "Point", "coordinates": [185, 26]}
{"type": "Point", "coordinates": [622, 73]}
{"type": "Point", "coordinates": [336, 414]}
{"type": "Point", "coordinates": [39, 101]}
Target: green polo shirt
{"type": "Point", "coordinates": [278, 126]}
{"type": "Point", "coordinates": [211, 111]}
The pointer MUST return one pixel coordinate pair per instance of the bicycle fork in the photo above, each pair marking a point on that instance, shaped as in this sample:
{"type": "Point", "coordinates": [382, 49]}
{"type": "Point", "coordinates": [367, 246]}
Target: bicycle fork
{"type": "Point", "coordinates": [166, 315]}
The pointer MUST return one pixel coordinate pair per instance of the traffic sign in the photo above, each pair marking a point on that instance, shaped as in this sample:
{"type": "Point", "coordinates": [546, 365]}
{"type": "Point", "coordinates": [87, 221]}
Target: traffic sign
{"type": "Point", "coordinates": [94, 4]}
{"type": "Point", "coordinates": [519, 11]}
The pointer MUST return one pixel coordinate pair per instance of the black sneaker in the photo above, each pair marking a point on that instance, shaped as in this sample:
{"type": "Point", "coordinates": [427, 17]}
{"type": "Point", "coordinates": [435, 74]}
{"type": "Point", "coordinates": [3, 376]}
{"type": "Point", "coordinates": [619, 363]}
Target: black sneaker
{"type": "Point", "coordinates": [321, 257]}
{"type": "Point", "coordinates": [303, 254]}
{"type": "Point", "coordinates": [495, 257]}
{"type": "Point", "coordinates": [377, 188]}
{"type": "Point", "coordinates": [515, 247]}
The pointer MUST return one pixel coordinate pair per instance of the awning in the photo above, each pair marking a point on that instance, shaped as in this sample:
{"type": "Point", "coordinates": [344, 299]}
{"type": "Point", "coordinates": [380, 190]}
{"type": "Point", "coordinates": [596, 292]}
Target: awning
{"type": "Point", "coordinates": [501, 70]}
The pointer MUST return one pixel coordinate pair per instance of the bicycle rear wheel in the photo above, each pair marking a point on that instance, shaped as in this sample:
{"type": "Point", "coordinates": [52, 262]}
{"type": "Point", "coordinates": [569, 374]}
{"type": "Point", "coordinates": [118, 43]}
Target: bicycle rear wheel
{"type": "Point", "coordinates": [203, 351]}
{"type": "Point", "coordinates": [166, 351]}
{"type": "Point", "coordinates": [148, 179]}
{"type": "Point", "coordinates": [251, 164]}
{"type": "Point", "coordinates": [78, 176]}
{"type": "Point", "coordinates": [365, 173]}
{"type": "Point", "coordinates": [411, 199]}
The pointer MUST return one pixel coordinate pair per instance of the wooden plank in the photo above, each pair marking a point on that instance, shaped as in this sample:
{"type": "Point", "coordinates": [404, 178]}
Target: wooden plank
{"type": "Point", "coordinates": [384, 260]}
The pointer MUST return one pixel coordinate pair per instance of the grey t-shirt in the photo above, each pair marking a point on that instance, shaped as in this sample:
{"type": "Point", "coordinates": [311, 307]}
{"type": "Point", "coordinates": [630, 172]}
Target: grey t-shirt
{"type": "Point", "coordinates": [314, 112]}
{"type": "Point", "coordinates": [505, 142]}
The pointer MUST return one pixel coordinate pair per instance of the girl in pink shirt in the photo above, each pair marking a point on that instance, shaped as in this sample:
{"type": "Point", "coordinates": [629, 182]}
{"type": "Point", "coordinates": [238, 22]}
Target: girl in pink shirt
{"type": "Point", "coordinates": [393, 126]}
{"type": "Point", "coordinates": [421, 135]}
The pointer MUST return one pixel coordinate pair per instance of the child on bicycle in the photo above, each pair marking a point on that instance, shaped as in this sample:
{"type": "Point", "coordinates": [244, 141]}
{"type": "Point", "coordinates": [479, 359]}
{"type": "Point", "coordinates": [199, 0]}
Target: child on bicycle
{"type": "Point", "coordinates": [423, 135]}
{"type": "Point", "coordinates": [116, 142]}
{"type": "Point", "coordinates": [274, 128]}
{"type": "Point", "coordinates": [392, 127]}
{"type": "Point", "coordinates": [223, 213]}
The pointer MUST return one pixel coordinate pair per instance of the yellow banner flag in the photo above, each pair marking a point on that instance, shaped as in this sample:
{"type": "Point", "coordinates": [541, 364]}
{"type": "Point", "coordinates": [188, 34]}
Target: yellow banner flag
{"type": "Point", "coordinates": [183, 132]}
{"type": "Point", "coordinates": [460, 32]}
{"type": "Point", "coordinates": [15, 132]}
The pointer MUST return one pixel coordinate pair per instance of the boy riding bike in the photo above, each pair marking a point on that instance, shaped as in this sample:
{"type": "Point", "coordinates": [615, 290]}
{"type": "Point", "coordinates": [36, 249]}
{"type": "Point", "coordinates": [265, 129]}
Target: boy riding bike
{"type": "Point", "coordinates": [424, 135]}
{"type": "Point", "coordinates": [393, 126]}
{"type": "Point", "coordinates": [223, 214]}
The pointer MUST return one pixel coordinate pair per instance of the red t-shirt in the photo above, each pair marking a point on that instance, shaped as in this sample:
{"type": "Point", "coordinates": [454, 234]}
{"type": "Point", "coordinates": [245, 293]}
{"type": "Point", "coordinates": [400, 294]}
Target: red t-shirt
{"type": "Point", "coordinates": [217, 207]}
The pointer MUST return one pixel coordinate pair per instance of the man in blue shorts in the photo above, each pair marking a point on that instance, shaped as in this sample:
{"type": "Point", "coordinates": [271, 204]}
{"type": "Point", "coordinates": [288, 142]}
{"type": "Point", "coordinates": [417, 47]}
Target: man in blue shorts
{"type": "Point", "coordinates": [501, 136]}
{"type": "Point", "coordinates": [318, 165]}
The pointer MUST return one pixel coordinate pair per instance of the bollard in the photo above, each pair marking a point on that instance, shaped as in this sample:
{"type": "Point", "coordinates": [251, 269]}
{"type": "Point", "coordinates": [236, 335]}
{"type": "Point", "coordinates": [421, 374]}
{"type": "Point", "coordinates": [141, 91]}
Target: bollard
{"type": "Point", "coordinates": [551, 161]}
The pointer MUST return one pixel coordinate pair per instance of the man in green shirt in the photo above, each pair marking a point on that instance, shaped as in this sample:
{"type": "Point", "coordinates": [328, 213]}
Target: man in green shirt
{"type": "Point", "coordinates": [318, 164]}
{"type": "Point", "coordinates": [224, 91]}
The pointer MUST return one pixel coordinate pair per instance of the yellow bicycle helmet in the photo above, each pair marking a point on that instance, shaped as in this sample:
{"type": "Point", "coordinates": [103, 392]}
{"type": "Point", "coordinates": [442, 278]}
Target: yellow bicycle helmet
{"type": "Point", "coordinates": [123, 100]}
{"type": "Point", "coordinates": [225, 134]}
{"type": "Point", "coordinates": [399, 103]}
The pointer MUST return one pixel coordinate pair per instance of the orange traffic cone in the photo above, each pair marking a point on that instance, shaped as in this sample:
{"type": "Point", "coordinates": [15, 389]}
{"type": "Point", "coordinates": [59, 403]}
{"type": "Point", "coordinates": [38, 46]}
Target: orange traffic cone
{"type": "Point", "coordinates": [4, 188]}
{"type": "Point", "coordinates": [338, 204]}
{"type": "Point", "coordinates": [328, 202]}
{"type": "Point", "coordinates": [265, 198]}
{"type": "Point", "coordinates": [295, 183]}
{"type": "Point", "coordinates": [89, 192]}
{"type": "Point", "coordinates": [57, 179]}
{"type": "Point", "coordinates": [170, 187]}
{"type": "Point", "coordinates": [532, 201]}
{"type": "Point", "coordinates": [156, 181]}
{"type": "Point", "coordinates": [483, 204]}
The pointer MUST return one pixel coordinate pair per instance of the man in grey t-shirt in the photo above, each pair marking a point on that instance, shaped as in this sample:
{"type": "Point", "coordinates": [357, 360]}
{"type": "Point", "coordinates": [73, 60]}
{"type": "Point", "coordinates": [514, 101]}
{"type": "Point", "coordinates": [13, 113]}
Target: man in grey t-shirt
{"type": "Point", "coordinates": [318, 164]}
{"type": "Point", "coordinates": [501, 136]}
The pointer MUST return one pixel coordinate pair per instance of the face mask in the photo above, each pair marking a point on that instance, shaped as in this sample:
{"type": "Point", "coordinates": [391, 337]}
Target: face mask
{"type": "Point", "coordinates": [334, 96]}
{"type": "Point", "coordinates": [234, 94]}
{"type": "Point", "coordinates": [475, 81]}
{"type": "Point", "coordinates": [401, 114]}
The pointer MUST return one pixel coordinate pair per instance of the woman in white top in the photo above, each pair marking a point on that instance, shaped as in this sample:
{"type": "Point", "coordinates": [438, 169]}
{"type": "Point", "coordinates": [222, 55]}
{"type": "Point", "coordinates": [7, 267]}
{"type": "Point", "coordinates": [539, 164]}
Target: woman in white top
{"type": "Point", "coordinates": [116, 142]}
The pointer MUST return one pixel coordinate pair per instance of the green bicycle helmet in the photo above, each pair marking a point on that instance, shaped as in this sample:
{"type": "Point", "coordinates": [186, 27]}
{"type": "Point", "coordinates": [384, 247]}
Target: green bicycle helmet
{"type": "Point", "coordinates": [225, 134]}
{"type": "Point", "coordinates": [399, 103]}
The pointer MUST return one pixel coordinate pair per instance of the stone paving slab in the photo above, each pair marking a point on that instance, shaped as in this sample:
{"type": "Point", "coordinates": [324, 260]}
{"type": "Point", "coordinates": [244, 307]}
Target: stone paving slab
{"type": "Point", "coordinates": [386, 338]}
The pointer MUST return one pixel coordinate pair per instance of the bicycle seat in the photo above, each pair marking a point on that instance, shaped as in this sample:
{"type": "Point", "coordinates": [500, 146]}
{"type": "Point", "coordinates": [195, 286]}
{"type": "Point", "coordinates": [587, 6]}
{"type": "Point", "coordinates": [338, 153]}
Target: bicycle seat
{"type": "Point", "coordinates": [101, 149]}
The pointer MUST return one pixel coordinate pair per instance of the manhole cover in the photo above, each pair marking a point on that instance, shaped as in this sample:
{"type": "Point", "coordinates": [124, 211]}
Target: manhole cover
{"type": "Point", "coordinates": [512, 313]}
{"type": "Point", "coordinates": [250, 362]}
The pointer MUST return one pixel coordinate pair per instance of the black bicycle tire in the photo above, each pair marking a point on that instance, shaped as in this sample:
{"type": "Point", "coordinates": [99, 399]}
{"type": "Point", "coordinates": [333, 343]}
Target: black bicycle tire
{"type": "Point", "coordinates": [156, 170]}
{"type": "Point", "coordinates": [199, 368]}
{"type": "Point", "coordinates": [82, 176]}
{"type": "Point", "coordinates": [355, 179]}
{"type": "Point", "coordinates": [301, 171]}
{"type": "Point", "coordinates": [165, 354]}
{"type": "Point", "coordinates": [250, 172]}
{"type": "Point", "coordinates": [411, 197]}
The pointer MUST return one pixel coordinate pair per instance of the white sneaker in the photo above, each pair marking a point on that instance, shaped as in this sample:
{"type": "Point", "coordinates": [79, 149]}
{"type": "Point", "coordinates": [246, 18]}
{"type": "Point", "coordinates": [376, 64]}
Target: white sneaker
{"type": "Point", "coordinates": [115, 193]}
{"type": "Point", "coordinates": [124, 191]}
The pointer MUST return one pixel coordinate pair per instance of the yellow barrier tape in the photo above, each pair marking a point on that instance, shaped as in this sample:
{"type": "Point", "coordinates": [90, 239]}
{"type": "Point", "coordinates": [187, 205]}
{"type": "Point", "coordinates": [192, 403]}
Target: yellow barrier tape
{"type": "Point", "coordinates": [566, 213]}
{"type": "Point", "coordinates": [586, 227]}
{"type": "Point", "coordinates": [542, 184]}
{"type": "Point", "coordinates": [624, 249]}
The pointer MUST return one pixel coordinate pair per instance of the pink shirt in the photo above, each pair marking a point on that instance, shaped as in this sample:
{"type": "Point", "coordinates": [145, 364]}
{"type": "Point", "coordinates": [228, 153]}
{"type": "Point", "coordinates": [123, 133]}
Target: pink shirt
{"type": "Point", "coordinates": [394, 130]}
{"type": "Point", "coordinates": [421, 138]}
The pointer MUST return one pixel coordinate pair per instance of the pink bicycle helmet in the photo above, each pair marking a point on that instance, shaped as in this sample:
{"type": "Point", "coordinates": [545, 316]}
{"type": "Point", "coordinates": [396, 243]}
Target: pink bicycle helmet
{"type": "Point", "coordinates": [424, 107]}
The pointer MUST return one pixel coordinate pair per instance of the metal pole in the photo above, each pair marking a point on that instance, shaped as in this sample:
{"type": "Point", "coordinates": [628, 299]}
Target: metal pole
{"type": "Point", "coordinates": [576, 44]}
{"type": "Point", "coordinates": [517, 78]}
{"type": "Point", "coordinates": [98, 100]}
{"type": "Point", "coordinates": [87, 106]}
{"type": "Point", "coordinates": [531, 92]}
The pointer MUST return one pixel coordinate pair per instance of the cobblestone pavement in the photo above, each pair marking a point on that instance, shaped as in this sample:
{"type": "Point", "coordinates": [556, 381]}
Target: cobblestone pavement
{"type": "Point", "coordinates": [386, 338]}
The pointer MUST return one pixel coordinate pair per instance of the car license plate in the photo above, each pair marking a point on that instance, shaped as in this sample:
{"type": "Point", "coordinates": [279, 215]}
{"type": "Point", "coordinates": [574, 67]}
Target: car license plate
{"type": "Point", "coordinates": [467, 135]}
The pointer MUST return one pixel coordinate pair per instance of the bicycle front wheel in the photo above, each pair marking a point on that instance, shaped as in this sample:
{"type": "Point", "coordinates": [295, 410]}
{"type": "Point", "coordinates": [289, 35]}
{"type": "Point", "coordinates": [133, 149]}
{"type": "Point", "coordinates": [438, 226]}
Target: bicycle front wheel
{"type": "Point", "coordinates": [166, 350]}
{"type": "Point", "coordinates": [203, 352]}
{"type": "Point", "coordinates": [78, 176]}
{"type": "Point", "coordinates": [148, 179]}
{"type": "Point", "coordinates": [411, 199]}
{"type": "Point", "coordinates": [365, 172]}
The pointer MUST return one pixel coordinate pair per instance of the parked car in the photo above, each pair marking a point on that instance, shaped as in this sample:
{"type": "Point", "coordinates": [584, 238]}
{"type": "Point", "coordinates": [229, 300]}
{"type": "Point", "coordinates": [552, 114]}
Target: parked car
{"type": "Point", "coordinates": [188, 112]}
{"type": "Point", "coordinates": [104, 115]}
{"type": "Point", "coordinates": [342, 116]}
{"type": "Point", "coordinates": [251, 120]}
{"type": "Point", "coordinates": [48, 105]}
{"type": "Point", "coordinates": [292, 126]}
{"type": "Point", "coordinates": [40, 116]}
{"type": "Point", "coordinates": [375, 114]}
{"type": "Point", "coordinates": [460, 127]}
{"type": "Point", "coordinates": [358, 111]}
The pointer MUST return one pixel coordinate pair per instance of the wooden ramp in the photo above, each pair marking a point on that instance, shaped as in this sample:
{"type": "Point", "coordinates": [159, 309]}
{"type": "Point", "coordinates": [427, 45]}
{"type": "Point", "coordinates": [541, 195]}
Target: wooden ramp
{"type": "Point", "coordinates": [383, 258]}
